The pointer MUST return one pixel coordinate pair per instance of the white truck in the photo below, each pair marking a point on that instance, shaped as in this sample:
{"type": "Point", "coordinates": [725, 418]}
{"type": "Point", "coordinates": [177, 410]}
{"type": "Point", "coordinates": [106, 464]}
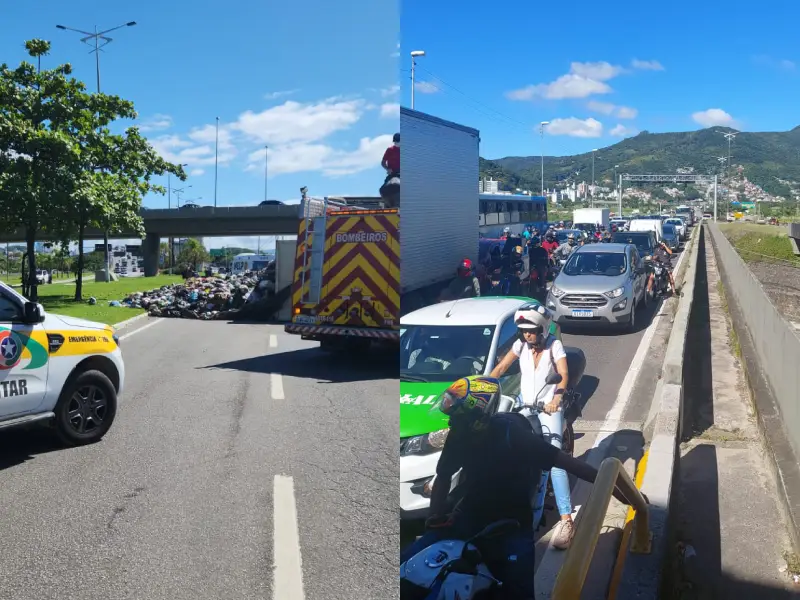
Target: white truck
{"type": "Point", "coordinates": [439, 204]}
{"type": "Point", "coordinates": [591, 216]}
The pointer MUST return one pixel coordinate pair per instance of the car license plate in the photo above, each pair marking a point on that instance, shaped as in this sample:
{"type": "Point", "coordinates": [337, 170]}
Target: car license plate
{"type": "Point", "coordinates": [584, 314]}
{"type": "Point", "coordinates": [305, 320]}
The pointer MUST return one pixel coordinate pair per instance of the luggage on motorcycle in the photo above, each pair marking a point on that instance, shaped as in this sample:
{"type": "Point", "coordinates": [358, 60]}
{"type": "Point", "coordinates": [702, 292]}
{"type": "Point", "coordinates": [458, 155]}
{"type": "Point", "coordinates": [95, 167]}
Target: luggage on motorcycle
{"type": "Point", "coordinates": [390, 191]}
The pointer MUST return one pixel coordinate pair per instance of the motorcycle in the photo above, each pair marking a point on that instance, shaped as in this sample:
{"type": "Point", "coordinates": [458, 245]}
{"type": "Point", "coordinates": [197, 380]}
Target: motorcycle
{"type": "Point", "coordinates": [390, 190]}
{"type": "Point", "coordinates": [503, 283]}
{"type": "Point", "coordinates": [660, 281]}
{"type": "Point", "coordinates": [451, 569]}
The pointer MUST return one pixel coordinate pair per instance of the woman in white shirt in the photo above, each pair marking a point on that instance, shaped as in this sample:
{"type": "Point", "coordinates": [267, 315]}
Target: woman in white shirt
{"type": "Point", "coordinates": [539, 354]}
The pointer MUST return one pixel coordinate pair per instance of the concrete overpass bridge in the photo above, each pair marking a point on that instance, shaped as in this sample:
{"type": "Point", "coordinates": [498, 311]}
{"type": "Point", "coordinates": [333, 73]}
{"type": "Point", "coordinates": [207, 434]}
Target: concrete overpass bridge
{"type": "Point", "coordinates": [205, 221]}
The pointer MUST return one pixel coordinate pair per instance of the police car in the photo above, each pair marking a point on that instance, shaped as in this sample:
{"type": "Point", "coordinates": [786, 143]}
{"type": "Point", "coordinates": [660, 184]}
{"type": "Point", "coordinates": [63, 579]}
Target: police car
{"type": "Point", "coordinates": [57, 370]}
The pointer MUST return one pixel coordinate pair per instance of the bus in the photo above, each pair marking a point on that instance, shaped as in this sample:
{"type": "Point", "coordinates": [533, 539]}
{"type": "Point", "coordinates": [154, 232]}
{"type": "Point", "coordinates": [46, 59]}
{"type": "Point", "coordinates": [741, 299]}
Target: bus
{"type": "Point", "coordinates": [250, 262]}
{"type": "Point", "coordinates": [515, 211]}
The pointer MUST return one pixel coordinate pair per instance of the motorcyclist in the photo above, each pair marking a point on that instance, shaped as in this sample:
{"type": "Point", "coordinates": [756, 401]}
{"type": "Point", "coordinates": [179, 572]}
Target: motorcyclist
{"type": "Point", "coordinates": [538, 258]}
{"type": "Point", "coordinates": [567, 248]}
{"type": "Point", "coordinates": [495, 484]}
{"type": "Point", "coordinates": [465, 285]}
{"type": "Point", "coordinates": [662, 254]}
{"type": "Point", "coordinates": [539, 353]}
{"type": "Point", "coordinates": [550, 242]}
{"type": "Point", "coordinates": [506, 232]}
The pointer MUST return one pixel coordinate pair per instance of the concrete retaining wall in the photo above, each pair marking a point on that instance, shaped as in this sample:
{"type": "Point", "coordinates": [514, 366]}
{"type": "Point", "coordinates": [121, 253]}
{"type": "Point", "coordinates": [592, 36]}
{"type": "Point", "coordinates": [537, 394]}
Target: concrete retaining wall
{"type": "Point", "coordinates": [770, 353]}
{"type": "Point", "coordinates": [776, 343]}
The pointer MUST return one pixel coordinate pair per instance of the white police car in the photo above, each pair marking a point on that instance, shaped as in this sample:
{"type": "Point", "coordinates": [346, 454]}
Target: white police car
{"type": "Point", "coordinates": [57, 370]}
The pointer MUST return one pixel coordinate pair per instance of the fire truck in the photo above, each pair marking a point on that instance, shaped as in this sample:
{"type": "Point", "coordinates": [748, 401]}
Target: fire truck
{"type": "Point", "coordinates": [346, 289]}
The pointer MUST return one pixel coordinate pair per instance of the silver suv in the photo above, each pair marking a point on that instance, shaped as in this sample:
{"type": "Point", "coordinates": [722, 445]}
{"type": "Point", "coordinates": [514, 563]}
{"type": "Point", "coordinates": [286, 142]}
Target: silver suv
{"type": "Point", "coordinates": [601, 284]}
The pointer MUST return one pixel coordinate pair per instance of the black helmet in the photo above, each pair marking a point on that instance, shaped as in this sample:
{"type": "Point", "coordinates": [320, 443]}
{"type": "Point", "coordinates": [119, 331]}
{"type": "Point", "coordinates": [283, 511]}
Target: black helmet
{"type": "Point", "coordinates": [535, 241]}
{"type": "Point", "coordinates": [396, 138]}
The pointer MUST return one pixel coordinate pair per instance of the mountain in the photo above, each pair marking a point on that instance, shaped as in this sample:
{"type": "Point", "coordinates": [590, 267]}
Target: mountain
{"type": "Point", "coordinates": [767, 157]}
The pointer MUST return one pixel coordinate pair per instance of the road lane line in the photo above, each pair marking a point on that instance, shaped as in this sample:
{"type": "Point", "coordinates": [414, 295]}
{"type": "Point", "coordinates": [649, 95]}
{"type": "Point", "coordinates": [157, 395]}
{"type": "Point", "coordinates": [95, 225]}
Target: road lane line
{"type": "Point", "coordinates": [553, 559]}
{"type": "Point", "coordinates": [276, 381]}
{"type": "Point", "coordinates": [273, 341]}
{"type": "Point", "coordinates": [135, 331]}
{"type": "Point", "coordinates": [288, 574]}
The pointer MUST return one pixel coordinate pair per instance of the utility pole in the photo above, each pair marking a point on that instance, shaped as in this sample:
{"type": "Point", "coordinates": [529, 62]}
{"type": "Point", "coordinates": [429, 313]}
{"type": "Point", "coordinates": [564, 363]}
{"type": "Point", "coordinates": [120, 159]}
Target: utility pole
{"type": "Point", "coordinates": [542, 125]}
{"type": "Point", "coordinates": [414, 55]}
{"type": "Point", "coordinates": [266, 170]}
{"type": "Point", "coordinates": [216, 163]}
{"type": "Point", "coordinates": [95, 42]}
{"type": "Point", "coordinates": [593, 152]}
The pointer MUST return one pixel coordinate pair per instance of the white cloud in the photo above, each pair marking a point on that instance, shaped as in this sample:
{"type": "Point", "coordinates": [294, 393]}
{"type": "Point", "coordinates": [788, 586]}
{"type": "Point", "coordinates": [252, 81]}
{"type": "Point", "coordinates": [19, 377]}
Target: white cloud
{"type": "Point", "coordinates": [622, 131]}
{"type": "Point", "coordinates": [156, 122]}
{"type": "Point", "coordinates": [293, 122]}
{"type": "Point", "coordinates": [647, 65]}
{"type": "Point", "coordinates": [392, 90]}
{"type": "Point", "coordinates": [583, 79]}
{"type": "Point", "coordinates": [714, 116]}
{"type": "Point", "coordinates": [425, 87]}
{"type": "Point", "coordinates": [396, 53]}
{"type": "Point", "coordinates": [197, 172]}
{"type": "Point", "coordinates": [574, 127]}
{"type": "Point", "coordinates": [280, 94]}
{"type": "Point", "coordinates": [599, 71]}
{"type": "Point", "coordinates": [772, 63]}
{"type": "Point", "coordinates": [626, 112]}
{"type": "Point", "coordinates": [197, 149]}
{"type": "Point", "coordinates": [605, 108]}
{"type": "Point", "coordinates": [333, 162]}
{"type": "Point", "coordinates": [390, 111]}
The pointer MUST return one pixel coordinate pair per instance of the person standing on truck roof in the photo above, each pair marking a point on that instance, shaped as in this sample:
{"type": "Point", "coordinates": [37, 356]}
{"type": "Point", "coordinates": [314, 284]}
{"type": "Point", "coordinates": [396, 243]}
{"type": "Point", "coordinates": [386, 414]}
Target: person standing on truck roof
{"type": "Point", "coordinates": [391, 158]}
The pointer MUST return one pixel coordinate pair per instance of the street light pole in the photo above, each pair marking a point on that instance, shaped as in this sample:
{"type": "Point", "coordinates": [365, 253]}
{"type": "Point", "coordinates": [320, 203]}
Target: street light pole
{"type": "Point", "coordinates": [95, 42]}
{"type": "Point", "coordinates": [414, 55]}
{"type": "Point", "coordinates": [729, 136]}
{"type": "Point", "coordinates": [541, 134]}
{"type": "Point", "coordinates": [216, 163]}
{"type": "Point", "coordinates": [593, 151]}
{"type": "Point", "coordinates": [266, 169]}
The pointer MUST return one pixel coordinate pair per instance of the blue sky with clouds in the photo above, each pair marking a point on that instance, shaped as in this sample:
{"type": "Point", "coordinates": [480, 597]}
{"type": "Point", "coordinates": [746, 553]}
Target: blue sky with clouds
{"type": "Point", "coordinates": [315, 81]}
{"type": "Point", "coordinates": [600, 73]}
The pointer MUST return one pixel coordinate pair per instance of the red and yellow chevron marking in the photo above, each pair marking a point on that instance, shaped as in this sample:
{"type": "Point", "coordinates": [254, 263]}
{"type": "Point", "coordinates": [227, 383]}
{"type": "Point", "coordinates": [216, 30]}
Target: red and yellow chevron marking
{"type": "Point", "coordinates": [360, 275]}
{"type": "Point", "coordinates": [315, 330]}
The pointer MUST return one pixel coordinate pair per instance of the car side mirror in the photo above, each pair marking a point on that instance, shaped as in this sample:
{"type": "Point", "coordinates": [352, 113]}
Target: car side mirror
{"type": "Point", "coordinates": [32, 313]}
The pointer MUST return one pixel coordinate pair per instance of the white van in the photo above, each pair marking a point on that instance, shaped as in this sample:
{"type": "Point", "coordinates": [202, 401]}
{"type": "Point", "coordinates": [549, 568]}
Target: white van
{"type": "Point", "coordinates": [648, 225]}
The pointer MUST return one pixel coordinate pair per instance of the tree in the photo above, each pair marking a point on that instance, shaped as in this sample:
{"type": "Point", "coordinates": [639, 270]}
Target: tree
{"type": "Point", "coordinates": [61, 168]}
{"type": "Point", "coordinates": [193, 254]}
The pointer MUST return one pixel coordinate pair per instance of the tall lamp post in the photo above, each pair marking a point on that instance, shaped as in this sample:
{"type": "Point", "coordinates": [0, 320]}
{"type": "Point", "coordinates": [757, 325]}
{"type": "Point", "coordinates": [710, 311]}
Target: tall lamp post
{"type": "Point", "coordinates": [593, 152]}
{"type": "Point", "coordinates": [730, 137]}
{"type": "Point", "coordinates": [414, 55]}
{"type": "Point", "coordinates": [266, 170]}
{"type": "Point", "coordinates": [722, 160]}
{"type": "Point", "coordinates": [619, 190]}
{"type": "Point", "coordinates": [216, 163]}
{"type": "Point", "coordinates": [542, 125]}
{"type": "Point", "coordinates": [94, 40]}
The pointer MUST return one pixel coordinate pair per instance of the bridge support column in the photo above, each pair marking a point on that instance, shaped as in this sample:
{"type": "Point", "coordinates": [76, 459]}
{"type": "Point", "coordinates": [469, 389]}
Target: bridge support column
{"type": "Point", "coordinates": [150, 249]}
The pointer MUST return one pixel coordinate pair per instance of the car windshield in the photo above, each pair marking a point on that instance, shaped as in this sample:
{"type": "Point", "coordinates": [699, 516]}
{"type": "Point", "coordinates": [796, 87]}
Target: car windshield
{"type": "Point", "coordinates": [642, 241]}
{"type": "Point", "coordinates": [443, 353]}
{"type": "Point", "coordinates": [610, 264]}
{"type": "Point", "coordinates": [669, 229]}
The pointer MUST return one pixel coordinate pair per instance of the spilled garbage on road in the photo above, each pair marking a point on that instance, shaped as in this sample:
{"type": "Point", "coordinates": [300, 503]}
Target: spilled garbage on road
{"type": "Point", "coordinates": [209, 298]}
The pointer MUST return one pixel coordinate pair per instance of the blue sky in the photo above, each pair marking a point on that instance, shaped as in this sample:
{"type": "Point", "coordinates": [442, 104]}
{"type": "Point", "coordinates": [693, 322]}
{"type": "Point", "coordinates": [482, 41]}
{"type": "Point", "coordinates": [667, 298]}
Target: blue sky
{"type": "Point", "coordinates": [315, 81]}
{"type": "Point", "coordinates": [629, 66]}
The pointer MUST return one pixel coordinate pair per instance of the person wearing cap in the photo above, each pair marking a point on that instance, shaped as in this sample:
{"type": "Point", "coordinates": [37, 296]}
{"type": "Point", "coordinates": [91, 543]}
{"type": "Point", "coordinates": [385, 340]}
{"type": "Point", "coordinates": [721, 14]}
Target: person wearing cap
{"type": "Point", "coordinates": [391, 158]}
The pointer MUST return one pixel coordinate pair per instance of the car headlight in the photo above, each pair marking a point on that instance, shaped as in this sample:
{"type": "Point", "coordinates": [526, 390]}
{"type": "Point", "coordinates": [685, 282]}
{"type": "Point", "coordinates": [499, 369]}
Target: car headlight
{"type": "Point", "coordinates": [615, 293]}
{"type": "Point", "coordinates": [424, 444]}
{"type": "Point", "coordinates": [557, 293]}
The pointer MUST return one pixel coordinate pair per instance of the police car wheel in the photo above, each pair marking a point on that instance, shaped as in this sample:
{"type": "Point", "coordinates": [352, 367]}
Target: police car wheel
{"type": "Point", "coordinates": [86, 409]}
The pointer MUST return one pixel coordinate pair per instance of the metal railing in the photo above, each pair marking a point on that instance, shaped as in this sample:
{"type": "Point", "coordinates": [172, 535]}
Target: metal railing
{"type": "Point", "coordinates": [589, 522]}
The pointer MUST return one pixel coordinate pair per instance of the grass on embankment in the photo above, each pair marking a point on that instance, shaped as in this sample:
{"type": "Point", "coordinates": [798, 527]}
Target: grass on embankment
{"type": "Point", "coordinates": [764, 243]}
{"type": "Point", "coordinates": [15, 279]}
{"type": "Point", "coordinates": [59, 298]}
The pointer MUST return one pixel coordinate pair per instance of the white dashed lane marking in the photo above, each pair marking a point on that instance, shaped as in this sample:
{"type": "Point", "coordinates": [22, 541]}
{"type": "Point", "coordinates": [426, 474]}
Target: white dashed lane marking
{"type": "Point", "coordinates": [288, 574]}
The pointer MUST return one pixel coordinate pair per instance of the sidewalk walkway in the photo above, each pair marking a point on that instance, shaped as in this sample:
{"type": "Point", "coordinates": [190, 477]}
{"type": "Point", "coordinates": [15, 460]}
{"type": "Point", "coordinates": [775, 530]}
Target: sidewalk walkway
{"type": "Point", "coordinates": [732, 539]}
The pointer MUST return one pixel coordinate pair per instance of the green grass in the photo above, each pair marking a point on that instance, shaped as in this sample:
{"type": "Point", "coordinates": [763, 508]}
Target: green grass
{"type": "Point", "coordinates": [59, 298]}
{"type": "Point", "coordinates": [761, 245]}
{"type": "Point", "coordinates": [16, 278]}
{"type": "Point", "coordinates": [742, 228]}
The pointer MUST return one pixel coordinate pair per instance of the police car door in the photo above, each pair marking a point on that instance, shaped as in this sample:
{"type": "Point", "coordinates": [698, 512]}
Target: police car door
{"type": "Point", "coordinates": [24, 360]}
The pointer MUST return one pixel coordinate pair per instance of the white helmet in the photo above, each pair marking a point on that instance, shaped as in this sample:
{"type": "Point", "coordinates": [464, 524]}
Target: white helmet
{"type": "Point", "coordinates": [532, 316]}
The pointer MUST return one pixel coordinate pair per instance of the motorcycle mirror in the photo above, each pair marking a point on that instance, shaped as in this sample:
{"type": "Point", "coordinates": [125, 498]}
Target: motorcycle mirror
{"type": "Point", "coordinates": [553, 379]}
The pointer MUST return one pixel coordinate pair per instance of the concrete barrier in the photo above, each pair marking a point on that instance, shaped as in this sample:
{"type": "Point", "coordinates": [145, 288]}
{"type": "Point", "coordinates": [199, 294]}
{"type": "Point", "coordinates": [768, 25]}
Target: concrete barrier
{"type": "Point", "coordinates": [770, 352]}
{"type": "Point", "coordinates": [641, 573]}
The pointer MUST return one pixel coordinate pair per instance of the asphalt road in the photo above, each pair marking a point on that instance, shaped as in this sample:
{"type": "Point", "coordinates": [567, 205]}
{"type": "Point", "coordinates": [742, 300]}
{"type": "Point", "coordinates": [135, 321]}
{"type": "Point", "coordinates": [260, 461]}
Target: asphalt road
{"type": "Point", "coordinates": [234, 445]}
